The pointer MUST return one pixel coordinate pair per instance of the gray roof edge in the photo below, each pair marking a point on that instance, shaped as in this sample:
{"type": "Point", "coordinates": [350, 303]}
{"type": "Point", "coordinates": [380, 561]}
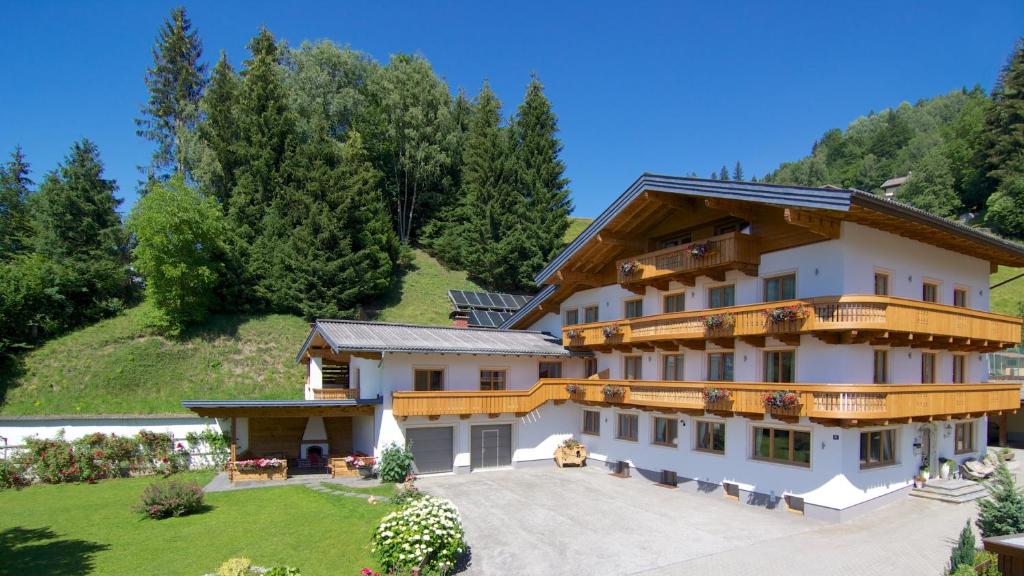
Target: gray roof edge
{"type": "Point", "coordinates": [426, 326]}
{"type": "Point", "coordinates": [277, 403]}
{"type": "Point", "coordinates": [536, 301]}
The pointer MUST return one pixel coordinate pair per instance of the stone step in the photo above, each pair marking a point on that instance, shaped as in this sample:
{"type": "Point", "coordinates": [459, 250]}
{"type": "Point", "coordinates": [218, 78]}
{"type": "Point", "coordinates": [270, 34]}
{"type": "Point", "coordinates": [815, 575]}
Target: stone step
{"type": "Point", "coordinates": [949, 499]}
{"type": "Point", "coordinates": [952, 491]}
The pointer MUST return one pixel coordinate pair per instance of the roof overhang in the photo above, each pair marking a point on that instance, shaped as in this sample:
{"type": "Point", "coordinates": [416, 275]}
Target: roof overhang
{"type": "Point", "coordinates": [281, 408]}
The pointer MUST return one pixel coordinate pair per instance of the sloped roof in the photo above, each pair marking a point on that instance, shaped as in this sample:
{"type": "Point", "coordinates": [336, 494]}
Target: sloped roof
{"type": "Point", "coordinates": [360, 336]}
{"type": "Point", "coordinates": [891, 182]}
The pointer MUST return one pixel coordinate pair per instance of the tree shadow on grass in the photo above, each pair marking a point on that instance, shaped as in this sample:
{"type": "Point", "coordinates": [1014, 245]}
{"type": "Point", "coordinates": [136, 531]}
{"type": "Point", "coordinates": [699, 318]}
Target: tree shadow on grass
{"type": "Point", "coordinates": [393, 295]}
{"type": "Point", "coordinates": [12, 368]}
{"type": "Point", "coordinates": [32, 551]}
{"type": "Point", "coordinates": [216, 326]}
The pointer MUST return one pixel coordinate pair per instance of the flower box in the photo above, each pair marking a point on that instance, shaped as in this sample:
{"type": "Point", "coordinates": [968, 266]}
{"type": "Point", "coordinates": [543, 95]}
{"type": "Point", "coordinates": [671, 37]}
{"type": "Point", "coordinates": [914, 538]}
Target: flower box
{"type": "Point", "coordinates": [717, 396]}
{"type": "Point", "coordinates": [785, 314]}
{"type": "Point", "coordinates": [352, 466]}
{"type": "Point", "coordinates": [719, 321]}
{"type": "Point", "coordinates": [629, 268]}
{"type": "Point", "coordinates": [258, 469]}
{"type": "Point", "coordinates": [781, 401]}
{"type": "Point", "coordinates": [575, 455]}
{"type": "Point", "coordinates": [610, 331]}
{"type": "Point", "coordinates": [613, 393]}
{"type": "Point", "coordinates": [574, 389]}
{"type": "Point", "coordinates": [573, 334]}
{"type": "Point", "coordinates": [699, 250]}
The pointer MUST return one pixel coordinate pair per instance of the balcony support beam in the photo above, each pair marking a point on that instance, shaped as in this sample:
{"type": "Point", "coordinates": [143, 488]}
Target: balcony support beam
{"type": "Point", "coordinates": [816, 223]}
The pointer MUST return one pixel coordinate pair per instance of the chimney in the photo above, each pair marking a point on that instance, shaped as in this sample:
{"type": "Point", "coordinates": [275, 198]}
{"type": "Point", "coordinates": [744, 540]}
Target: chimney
{"type": "Point", "coordinates": [460, 319]}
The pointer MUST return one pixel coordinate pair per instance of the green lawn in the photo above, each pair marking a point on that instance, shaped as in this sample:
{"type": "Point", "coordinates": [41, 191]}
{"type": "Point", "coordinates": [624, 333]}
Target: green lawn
{"type": "Point", "coordinates": [420, 295]}
{"type": "Point", "coordinates": [79, 529]}
{"type": "Point", "coordinates": [119, 366]}
{"type": "Point", "coordinates": [385, 490]}
{"type": "Point", "coordinates": [1007, 299]}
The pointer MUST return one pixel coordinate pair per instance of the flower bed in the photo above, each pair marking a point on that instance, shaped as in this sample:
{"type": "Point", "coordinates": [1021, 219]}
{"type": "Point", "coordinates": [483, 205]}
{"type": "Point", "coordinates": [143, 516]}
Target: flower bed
{"type": "Point", "coordinates": [259, 469]}
{"type": "Point", "coordinates": [426, 535]}
{"type": "Point", "coordinates": [781, 400]}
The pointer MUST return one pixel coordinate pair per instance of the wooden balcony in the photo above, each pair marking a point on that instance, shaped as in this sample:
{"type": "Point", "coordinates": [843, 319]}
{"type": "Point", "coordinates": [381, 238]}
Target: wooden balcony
{"type": "Point", "coordinates": [880, 320]}
{"type": "Point", "coordinates": [710, 257]}
{"type": "Point", "coordinates": [830, 404]}
{"type": "Point", "coordinates": [334, 393]}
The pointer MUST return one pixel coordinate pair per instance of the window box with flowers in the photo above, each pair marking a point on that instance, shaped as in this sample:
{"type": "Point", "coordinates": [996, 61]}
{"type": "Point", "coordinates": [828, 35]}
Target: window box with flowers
{"type": "Point", "coordinates": [699, 249]}
{"type": "Point", "coordinates": [785, 314]}
{"type": "Point", "coordinates": [571, 453]}
{"type": "Point", "coordinates": [357, 464]}
{"type": "Point", "coordinates": [573, 334]}
{"type": "Point", "coordinates": [717, 397]}
{"type": "Point", "coordinates": [720, 322]}
{"type": "Point", "coordinates": [613, 393]}
{"type": "Point", "coordinates": [575, 389]}
{"type": "Point", "coordinates": [781, 401]}
{"type": "Point", "coordinates": [259, 469]}
{"type": "Point", "coordinates": [629, 268]}
{"type": "Point", "coordinates": [611, 331]}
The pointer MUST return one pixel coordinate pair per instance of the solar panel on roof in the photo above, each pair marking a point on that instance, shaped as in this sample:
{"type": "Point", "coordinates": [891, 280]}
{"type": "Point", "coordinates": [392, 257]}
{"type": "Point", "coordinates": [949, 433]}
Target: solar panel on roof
{"type": "Point", "coordinates": [487, 318]}
{"type": "Point", "coordinates": [465, 300]}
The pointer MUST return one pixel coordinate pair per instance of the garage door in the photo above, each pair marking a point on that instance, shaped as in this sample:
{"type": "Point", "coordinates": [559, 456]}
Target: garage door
{"type": "Point", "coordinates": [431, 449]}
{"type": "Point", "coordinates": [491, 446]}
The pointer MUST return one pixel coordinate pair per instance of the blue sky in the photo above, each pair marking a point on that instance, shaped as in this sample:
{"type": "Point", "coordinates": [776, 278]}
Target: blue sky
{"type": "Point", "coordinates": [638, 86]}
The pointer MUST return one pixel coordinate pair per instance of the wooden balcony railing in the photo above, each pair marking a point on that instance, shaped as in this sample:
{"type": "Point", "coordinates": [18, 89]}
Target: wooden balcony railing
{"type": "Point", "coordinates": [835, 319]}
{"type": "Point", "coordinates": [715, 255]}
{"type": "Point", "coordinates": [840, 404]}
{"type": "Point", "coordinates": [335, 393]}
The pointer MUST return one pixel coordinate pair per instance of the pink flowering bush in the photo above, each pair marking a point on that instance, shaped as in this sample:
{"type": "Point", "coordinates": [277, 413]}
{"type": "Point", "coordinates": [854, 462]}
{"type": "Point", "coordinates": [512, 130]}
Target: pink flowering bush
{"type": "Point", "coordinates": [260, 464]}
{"type": "Point", "coordinates": [97, 456]}
{"type": "Point", "coordinates": [170, 498]}
{"type": "Point", "coordinates": [12, 474]}
{"type": "Point", "coordinates": [426, 534]}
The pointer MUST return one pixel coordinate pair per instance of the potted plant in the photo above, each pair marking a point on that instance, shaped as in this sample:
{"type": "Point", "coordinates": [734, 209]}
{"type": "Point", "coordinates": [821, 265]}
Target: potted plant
{"type": "Point", "coordinates": [925, 474]}
{"type": "Point", "coordinates": [629, 268]}
{"type": "Point", "coordinates": [570, 452]}
{"type": "Point", "coordinates": [780, 399]}
{"type": "Point", "coordinates": [572, 334]}
{"type": "Point", "coordinates": [699, 250]}
{"type": "Point", "coordinates": [610, 331]}
{"type": "Point", "coordinates": [574, 389]}
{"type": "Point", "coordinates": [719, 321]}
{"type": "Point", "coordinates": [785, 313]}
{"type": "Point", "coordinates": [715, 395]}
{"type": "Point", "coordinates": [611, 393]}
{"type": "Point", "coordinates": [945, 468]}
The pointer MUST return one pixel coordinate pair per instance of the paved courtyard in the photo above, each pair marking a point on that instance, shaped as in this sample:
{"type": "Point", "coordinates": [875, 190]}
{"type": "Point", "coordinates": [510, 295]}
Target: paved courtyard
{"type": "Point", "coordinates": [583, 521]}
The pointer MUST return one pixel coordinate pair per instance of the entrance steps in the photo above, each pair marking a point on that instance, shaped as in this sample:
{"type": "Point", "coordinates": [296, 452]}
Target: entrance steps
{"type": "Point", "coordinates": [952, 491]}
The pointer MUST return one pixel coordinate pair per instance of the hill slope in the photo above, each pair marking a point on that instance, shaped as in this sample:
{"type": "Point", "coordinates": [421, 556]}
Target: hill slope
{"type": "Point", "coordinates": [420, 295]}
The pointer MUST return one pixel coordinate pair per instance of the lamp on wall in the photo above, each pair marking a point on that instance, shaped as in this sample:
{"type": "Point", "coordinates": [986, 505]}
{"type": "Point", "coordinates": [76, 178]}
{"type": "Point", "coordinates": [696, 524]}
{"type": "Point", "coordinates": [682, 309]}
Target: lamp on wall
{"type": "Point", "coordinates": [947, 430]}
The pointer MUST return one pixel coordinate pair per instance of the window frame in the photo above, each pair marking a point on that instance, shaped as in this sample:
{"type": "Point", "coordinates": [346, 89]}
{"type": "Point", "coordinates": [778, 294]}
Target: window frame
{"type": "Point", "coordinates": [495, 370]}
{"type": "Point", "coordinates": [665, 298]}
{"type": "Point", "coordinates": [722, 354]}
{"type": "Point", "coordinates": [936, 285]}
{"type": "Point", "coordinates": [636, 426]}
{"type": "Point", "coordinates": [792, 445]}
{"type": "Point", "coordinates": [929, 359]}
{"type": "Point", "coordinates": [712, 289]}
{"type": "Point", "coordinates": [639, 358]}
{"type": "Point", "coordinates": [671, 428]}
{"type": "Point", "coordinates": [765, 358]}
{"type": "Point", "coordinates": [711, 424]}
{"type": "Point", "coordinates": [586, 312]}
{"type": "Point", "coordinates": [567, 312]}
{"type": "Point", "coordinates": [778, 278]}
{"type": "Point", "coordinates": [632, 301]}
{"type": "Point", "coordinates": [964, 432]}
{"type": "Point", "coordinates": [597, 417]}
{"type": "Point", "coordinates": [887, 276]}
{"type": "Point", "coordinates": [886, 369]}
{"type": "Point", "coordinates": [680, 365]}
{"type": "Point", "coordinates": [961, 290]}
{"type": "Point", "coordinates": [587, 362]}
{"type": "Point", "coordinates": [561, 368]}
{"type": "Point", "coordinates": [959, 375]}
{"type": "Point", "coordinates": [444, 377]}
{"type": "Point", "coordinates": [867, 463]}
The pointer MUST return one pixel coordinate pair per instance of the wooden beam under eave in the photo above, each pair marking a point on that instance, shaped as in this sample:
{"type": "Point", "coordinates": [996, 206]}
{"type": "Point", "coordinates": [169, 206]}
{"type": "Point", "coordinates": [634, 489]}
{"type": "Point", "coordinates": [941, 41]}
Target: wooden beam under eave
{"type": "Point", "coordinates": [637, 289]}
{"type": "Point", "coordinates": [823, 226]}
{"type": "Point", "coordinates": [670, 200]}
{"type": "Point", "coordinates": [669, 346]}
{"type": "Point", "coordinates": [693, 344]}
{"type": "Point", "coordinates": [716, 275]}
{"type": "Point", "coordinates": [728, 343]}
{"type": "Point", "coordinates": [788, 339]}
{"type": "Point", "coordinates": [580, 279]}
{"type": "Point", "coordinates": [645, 346]}
{"type": "Point", "coordinates": [755, 341]}
{"type": "Point", "coordinates": [630, 243]}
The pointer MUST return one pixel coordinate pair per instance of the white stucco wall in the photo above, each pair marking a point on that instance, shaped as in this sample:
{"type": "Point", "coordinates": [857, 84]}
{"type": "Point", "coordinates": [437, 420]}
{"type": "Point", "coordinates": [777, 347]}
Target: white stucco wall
{"type": "Point", "coordinates": [15, 430]}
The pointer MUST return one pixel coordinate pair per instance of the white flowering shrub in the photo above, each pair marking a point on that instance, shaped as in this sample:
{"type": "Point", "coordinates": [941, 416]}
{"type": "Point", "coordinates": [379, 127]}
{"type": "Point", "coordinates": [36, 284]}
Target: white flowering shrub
{"type": "Point", "coordinates": [427, 534]}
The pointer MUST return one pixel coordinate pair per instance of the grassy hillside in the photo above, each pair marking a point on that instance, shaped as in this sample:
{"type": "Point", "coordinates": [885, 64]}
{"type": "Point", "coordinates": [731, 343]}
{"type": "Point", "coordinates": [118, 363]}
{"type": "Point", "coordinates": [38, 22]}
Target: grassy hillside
{"type": "Point", "coordinates": [420, 295]}
{"type": "Point", "coordinates": [576, 226]}
{"type": "Point", "coordinates": [1008, 298]}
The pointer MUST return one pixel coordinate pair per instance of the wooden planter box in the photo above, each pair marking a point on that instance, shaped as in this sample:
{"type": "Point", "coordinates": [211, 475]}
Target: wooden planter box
{"type": "Point", "coordinates": [570, 456]}
{"type": "Point", "coordinates": [339, 467]}
{"type": "Point", "coordinates": [256, 475]}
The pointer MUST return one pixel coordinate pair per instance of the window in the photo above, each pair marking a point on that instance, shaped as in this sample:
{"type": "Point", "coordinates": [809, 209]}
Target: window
{"type": "Point", "coordinates": [721, 296]}
{"type": "Point", "coordinates": [881, 284]}
{"type": "Point", "coordinates": [779, 366]}
{"type": "Point", "coordinates": [572, 317]}
{"type": "Point", "coordinates": [632, 367]}
{"type": "Point", "coordinates": [550, 370]}
{"type": "Point", "coordinates": [959, 368]}
{"type": "Point", "coordinates": [634, 308]}
{"type": "Point", "coordinates": [675, 241]}
{"type": "Point", "coordinates": [493, 379]}
{"type": "Point", "coordinates": [429, 379]}
{"type": "Point", "coordinates": [960, 297]}
{"type": "Point", "coordinates": [782, 445]}
{"type": "Point", "coordinates": [881, 366]}
{"type": "Point", "coordinates": [727, 227]}
{"type": "Point", "coordinates": [710, 436]}
{"type": "Point", "coordinates": [720, 366]}
{"type": "Point", "coordinates": [780, 288]}
{"type": "Point", "coordinates": [672, 367]}
{"type": "Point", "coordinates": [930, 292]}
{"type": "Point", "coordinates": [592, 422]}
{"type": "Point", "coordinates": [666, 431]}
{"type": "Point", "coordinates": [590, 314]}
{"type": "Point", "coordinates": [627, 426]}
{"type": "Point", "coordinates": [674, 302]}
{"type": "Point", "coordinates": [877, 448]}
{"type": "Point", "coordinates": [964, 438]}
{"type": "Point", "coordinates": [927, 368]}
{"type": "Point", "coordinates": [589, 367]}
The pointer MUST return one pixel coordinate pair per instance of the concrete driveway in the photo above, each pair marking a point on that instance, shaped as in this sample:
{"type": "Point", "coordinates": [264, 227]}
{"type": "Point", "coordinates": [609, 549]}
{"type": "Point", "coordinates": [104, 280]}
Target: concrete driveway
{"type": "Point", "coordinates": [583, 521]}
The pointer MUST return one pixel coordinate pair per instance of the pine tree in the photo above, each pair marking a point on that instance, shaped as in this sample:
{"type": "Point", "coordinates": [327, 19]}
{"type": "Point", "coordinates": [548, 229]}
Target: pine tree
{"type": "Point", "coordinates": [737, 172]}
{"type": "Point", "coordinates": [218, 133]}
{"type": "Point", "coordinates": [1002, 512]}
{"type": "Point", "coordinates": [723, 174]}
{"type": "Point", "coordinates": [175, 83]}
{"type": "Point", "coordinates": [964, 552]}
{"type": "Point", "coordinates": [540, 172]}
{"type": "Point", "coordinates": [15, 222]}
{"type": "Point", "coordinates": [1005, 119]}
{"type": "Point", "coordinates": [713, 176]}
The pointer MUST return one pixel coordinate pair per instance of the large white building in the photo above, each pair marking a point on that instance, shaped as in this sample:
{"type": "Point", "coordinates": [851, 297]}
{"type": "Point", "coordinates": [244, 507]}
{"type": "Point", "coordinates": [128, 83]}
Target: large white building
{"type": "Point", "coordinates": [797, 348]}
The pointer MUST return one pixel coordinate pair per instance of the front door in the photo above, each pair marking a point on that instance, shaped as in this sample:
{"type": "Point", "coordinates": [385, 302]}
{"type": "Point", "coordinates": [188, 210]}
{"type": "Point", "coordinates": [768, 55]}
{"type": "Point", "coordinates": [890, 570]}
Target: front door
{"type": "Point", "coordinates": [491, 446]}
{"type": "Point", "coordinates": [928, 451]}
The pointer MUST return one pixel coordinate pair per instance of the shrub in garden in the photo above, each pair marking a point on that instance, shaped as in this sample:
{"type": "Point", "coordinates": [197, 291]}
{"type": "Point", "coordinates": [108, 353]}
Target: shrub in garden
{"type": "Point", "coordinates": [12, 474]}
{"type": "Point", "coordinates": [52, 460]}
{"type": "Point", "coordinates": [245, 567]}
{"type": "Point", "coordinates": [395, 463]}
{"type": "Point", "coordinates": [426, 534]}
{"type": "Point", "coordinates": [170, 498]}
{"type": "Point", "coordinates": [1002, 512]}
{"type": "Point", "coordinates": [964, 551]}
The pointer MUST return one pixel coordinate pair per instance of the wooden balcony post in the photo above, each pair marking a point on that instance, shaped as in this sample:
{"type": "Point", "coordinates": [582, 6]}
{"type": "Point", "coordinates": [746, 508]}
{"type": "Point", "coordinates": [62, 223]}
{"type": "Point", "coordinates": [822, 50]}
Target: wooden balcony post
{"type": "Point", "coordinates": [234, 448]}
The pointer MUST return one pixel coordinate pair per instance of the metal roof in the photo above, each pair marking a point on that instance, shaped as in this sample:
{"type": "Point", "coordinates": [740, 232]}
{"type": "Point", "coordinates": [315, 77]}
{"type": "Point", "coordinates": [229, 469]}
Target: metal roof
{"type": "Point", "coordinates": [892, 182]}
{"type": "Point", "coordinates": [360, 336]}
{"type": "Point", "coordinates": [190, 404]}
{"type": "Point", "coordinates": [825, 198]}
